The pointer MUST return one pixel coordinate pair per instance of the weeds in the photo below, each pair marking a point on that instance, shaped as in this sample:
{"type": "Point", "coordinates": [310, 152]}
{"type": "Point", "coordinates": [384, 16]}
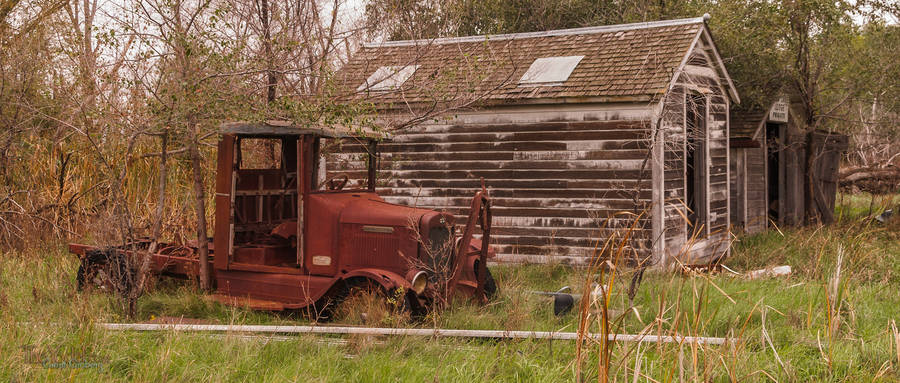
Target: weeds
{"type": "Point", "coordinates": [787, 317]}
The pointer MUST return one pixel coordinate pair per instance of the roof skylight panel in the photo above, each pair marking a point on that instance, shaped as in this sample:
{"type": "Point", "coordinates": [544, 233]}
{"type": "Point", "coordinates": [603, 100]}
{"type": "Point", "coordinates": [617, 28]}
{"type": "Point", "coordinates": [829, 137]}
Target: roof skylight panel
{"type": "Point", "coordinates": [550, 70]}
{"type": "Point", "coordinates": [388, 78]}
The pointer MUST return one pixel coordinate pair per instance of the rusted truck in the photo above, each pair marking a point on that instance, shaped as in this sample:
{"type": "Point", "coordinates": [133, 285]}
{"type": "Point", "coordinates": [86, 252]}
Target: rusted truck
{"type": "Point", "coordinates": [285, 240]}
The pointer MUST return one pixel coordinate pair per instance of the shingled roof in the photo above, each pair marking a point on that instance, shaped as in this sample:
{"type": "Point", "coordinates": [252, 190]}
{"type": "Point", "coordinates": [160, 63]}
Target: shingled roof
{"type": "Point", "coordinates": [629, 62]}
{"type": "Point", "coordinates": [745, 122]}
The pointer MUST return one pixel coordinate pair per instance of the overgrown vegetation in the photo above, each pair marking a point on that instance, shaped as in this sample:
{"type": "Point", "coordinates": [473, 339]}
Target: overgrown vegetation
{"type": "Point", "coordinates": [108, 114]}
{"type": "Point", "coordinates": [784, 329]}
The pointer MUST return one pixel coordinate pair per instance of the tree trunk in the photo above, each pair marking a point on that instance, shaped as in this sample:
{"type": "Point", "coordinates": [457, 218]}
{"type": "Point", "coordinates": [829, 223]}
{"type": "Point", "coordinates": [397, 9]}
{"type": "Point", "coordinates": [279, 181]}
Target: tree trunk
{"type": "Point", "coordinates": [818, 210]}
{"type": "Point", "coordinates": [811, 208]}
{"type": "Point", "coordinates": [271, 79]}
{"type": "Point", "coordinates": [200, 205]}
{"type": "Point", "coordinates": [156, 230]}
{"type": "Point", "coordinates": [163, 180]}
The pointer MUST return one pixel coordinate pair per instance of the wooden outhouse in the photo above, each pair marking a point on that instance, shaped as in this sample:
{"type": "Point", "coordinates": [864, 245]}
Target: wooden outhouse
{"type": "Point", "coordinates": [769, 178]}
{"type": "Point", "coordinates": [577, 134]}
{"type": "Point", "coordinates": [748, 171]}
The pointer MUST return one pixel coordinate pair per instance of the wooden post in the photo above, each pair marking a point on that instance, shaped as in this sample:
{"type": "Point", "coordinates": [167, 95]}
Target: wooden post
{"type": "Point", "coordinates": [373, 164]}
{"type": "Point", "coordinates": [200, 205]}
{"type": "Point", "coordinates": [302, 180]}
{"type": "Point", "coordinates": [224, 200]}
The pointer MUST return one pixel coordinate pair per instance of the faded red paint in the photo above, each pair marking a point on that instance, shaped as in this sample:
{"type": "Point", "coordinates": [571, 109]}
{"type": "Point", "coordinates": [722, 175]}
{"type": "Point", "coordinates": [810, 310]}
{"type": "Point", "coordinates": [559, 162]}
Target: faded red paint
{"type": "Point", "coordinates": [265, 257]}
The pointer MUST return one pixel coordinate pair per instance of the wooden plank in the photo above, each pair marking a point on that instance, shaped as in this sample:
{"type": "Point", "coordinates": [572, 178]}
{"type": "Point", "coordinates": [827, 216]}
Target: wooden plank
{"type": "Point", "coordinates": [548, 135]}
{"type": "Point", "coordinates": [381, 331]}
{"type": "Point", "coordinates": [539, 240]}
{"type": "Point", "coordinates": [633, 254]}
{"type": "Point", "coordinates": [557, 222]}
{"type": "Point", "coordinates": [525, 174]}
{"type": "Point", "coordinates": [631, 164]}
{"type": "Point", "coordinates": [545, 178]}
{"type": "Point", "coordinates": [497, 193]}
{"type": "Point", "coordinates": [567, 155]}
{"type": "Point", "coordinates": [542, 212]}
{"type": "Point", "coordinates": [558, 126]}
{"type": "Point", "coordinates": [506, 183]}
{"type": "Point", "coordinates": [512, 146]}
{"type": "Point", "coordinates": [542, 203]}
{"type": "Point", "coordinates": [562, 231]}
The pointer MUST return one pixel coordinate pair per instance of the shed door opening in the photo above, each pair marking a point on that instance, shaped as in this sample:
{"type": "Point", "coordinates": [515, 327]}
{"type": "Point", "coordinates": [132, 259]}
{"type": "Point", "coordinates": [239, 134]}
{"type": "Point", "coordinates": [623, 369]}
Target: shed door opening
{"type": "Point", "coordinates": [695, 160]}
{"type": "Point", "coordinates": [773, 170]}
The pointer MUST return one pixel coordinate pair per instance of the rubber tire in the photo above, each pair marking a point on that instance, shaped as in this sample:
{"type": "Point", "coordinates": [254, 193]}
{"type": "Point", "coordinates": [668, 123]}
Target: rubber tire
{"type": "Point", "coordinates": [81, 277]}
{"type": "Point", "coordinates": [490, 286]}
{"type": "Point", "coordinates": [112, 262]}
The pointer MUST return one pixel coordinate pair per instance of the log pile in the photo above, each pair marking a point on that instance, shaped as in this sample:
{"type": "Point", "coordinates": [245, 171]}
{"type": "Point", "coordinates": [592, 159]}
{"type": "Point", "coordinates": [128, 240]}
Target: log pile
{"type": "Point", "coordinates": [871, 179]}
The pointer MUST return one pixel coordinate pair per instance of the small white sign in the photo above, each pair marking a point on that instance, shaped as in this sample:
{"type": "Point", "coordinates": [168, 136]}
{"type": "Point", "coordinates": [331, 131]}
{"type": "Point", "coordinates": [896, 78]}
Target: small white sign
{"type": "Point", "coordinates": [321, 260]}
{"type": "Point", "coordinates": [779, 112]}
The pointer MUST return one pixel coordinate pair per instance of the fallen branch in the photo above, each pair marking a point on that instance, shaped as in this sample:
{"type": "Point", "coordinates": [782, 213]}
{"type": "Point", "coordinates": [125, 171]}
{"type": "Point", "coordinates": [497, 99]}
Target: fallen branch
{"type": "Point", "coordinates": [858, 174]}
{"type": "Point", "coordinates": [493, 334]}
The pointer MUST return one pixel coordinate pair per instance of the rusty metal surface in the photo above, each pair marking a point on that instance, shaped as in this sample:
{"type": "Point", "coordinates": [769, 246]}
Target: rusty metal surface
{"type": "Point", "coordinates": [281, 242]}
{"type": "Point", "coordinates": [480, 215]}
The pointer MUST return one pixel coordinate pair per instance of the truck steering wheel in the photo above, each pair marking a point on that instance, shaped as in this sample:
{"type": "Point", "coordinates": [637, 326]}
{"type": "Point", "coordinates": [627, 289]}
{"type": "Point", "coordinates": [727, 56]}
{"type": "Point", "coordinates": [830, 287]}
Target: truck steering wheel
{"type": "Point", "coordinates": [335, 184]}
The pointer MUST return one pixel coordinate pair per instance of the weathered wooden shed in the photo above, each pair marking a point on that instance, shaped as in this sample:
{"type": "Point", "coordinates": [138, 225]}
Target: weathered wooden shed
{"type": "Point", "coordinates": [575, 132]}
{"type": "Point", "coordinates": [769, 177]}
{"type": "Point", "coordinates": [748, 173]}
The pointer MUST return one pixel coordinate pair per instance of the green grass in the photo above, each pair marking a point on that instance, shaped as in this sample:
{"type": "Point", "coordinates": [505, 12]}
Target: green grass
{"type": "Point", "coordinates": [39, 308]}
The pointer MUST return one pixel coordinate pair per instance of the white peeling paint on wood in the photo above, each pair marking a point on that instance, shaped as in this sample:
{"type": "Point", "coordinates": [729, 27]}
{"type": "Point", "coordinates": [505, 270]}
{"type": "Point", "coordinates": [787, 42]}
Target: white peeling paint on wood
{"type": "Point", "coordinates": [700, 71]}
{"type": "Point", "coordinates": [548, 203]}
{"type": "Point", "coordinates": [571, 112]}
{"type": "Point", "coordinates": [705, 80]}
{"type": "Point", "coordinates": [600, 144]}
{"type": "Point", "coordinates": [511, 148]}
{"type": "Point", "coordinates": [573, 164]}
{"type": "Point", "coordinates": [590, 223]}
{"type": "Point", "coordinates": [570, 155]}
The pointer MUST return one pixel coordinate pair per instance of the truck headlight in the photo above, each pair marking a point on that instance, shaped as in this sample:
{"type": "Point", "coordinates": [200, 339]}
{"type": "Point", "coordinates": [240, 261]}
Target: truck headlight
{"type": "Point", "coordinates": [418, 281]}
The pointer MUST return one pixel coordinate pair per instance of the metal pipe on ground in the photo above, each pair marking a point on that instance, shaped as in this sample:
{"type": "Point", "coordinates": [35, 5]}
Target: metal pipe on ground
{"type": "Point", "coordinates": [489, 334]}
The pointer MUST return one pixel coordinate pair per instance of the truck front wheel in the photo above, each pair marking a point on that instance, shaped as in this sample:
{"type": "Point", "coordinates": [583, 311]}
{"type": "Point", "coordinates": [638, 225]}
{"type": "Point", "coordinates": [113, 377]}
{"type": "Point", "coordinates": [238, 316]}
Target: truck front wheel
{"type": "Point", "coordinates": [490, 286]}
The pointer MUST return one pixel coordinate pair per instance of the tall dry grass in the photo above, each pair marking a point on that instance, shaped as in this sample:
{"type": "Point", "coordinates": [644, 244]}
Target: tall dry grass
{"type": "Point", "coordinates": [57, 189]}
{"type": "Point", "coordinates": [837, 268]}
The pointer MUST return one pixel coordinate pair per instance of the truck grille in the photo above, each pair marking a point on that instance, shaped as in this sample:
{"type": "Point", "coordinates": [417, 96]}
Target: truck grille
{"type": "Point", "coordinates": [440, 249]}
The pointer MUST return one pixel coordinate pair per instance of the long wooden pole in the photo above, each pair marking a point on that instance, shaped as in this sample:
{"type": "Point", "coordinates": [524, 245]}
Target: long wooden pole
{"type": "Point", "coordinates": [494, 334]}
{"type": "Point", "coordinates": [200, 206]}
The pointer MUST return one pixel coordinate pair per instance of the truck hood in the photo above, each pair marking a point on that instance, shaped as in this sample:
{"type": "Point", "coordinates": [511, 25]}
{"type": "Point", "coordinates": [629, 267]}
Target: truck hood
{"type": "Point", "coordinates": [371, 211]}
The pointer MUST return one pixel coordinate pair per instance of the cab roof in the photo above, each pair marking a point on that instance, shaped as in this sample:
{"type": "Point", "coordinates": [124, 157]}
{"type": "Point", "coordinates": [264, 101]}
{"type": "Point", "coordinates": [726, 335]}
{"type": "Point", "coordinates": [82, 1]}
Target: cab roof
{"type": "Point", "coordinates": [287, 128]}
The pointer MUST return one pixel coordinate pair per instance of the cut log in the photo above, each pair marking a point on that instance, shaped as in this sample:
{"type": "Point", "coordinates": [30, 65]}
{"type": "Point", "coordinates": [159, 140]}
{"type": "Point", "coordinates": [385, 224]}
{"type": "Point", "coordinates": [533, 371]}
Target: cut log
{"type": "Point", "coordinates": [857, 174]}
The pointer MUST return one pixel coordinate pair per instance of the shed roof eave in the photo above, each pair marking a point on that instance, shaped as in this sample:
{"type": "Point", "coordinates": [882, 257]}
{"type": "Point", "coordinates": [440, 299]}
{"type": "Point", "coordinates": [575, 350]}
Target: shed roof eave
{"type": "Point", "coordinates": [720, 65]}
{"type": "Point", "coordinates": [286, 128]}
{"type": "Point", "coordinates": [762, 122]}
{"type": "Point", "coordinates": [526, 101]}
{"type": "Point", "coordinates": [556, 32]}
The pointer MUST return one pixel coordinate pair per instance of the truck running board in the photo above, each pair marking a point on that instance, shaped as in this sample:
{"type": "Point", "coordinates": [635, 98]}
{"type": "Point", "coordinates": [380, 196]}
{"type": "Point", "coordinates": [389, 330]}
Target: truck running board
{"type": "Point", "coordinates": [247, 302]}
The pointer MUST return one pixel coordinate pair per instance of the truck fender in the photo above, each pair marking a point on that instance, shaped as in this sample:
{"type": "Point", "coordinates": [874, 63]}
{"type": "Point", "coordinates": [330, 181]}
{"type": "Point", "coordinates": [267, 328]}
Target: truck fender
{"type": "Point", "coordinates": [387, 279]}
{"type": "Point", "coordinates": [390, 281]}
{"type": "Point", "coordinates": [475, 249]}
